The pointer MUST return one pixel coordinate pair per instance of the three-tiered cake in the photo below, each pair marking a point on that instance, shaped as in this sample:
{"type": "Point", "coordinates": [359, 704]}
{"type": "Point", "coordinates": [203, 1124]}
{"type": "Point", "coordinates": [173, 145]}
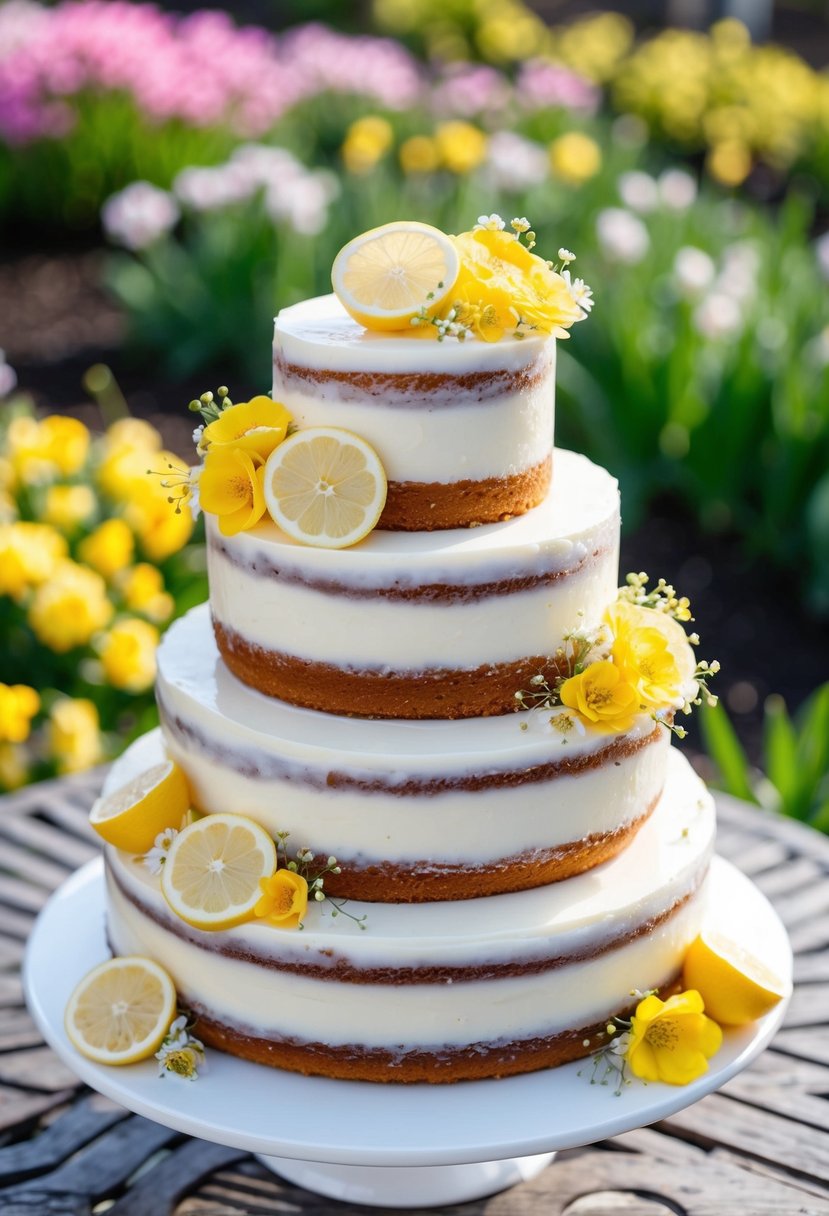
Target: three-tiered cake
{"type": "Point", "coordinates": [520, 873]}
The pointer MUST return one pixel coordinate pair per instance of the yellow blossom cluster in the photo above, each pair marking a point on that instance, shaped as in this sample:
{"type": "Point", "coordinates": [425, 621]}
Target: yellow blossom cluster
{"type": "Point", "coordinates": [236, 446]}
{"type": "Point", "coordinates": [650, 668]}
{"type": "Point", "coordinates": [720, 92]}
{"type": "Point", "coordinates": [82, 524]}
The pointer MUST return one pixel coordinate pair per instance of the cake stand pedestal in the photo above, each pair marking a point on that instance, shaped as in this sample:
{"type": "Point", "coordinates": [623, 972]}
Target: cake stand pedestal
{"type": "Point", "coordinates": [389, 1145]}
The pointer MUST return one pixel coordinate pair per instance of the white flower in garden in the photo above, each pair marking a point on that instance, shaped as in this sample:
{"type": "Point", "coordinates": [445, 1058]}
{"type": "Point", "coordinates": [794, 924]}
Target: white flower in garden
{"type": "Point", "coordinates": [8, 376]}
{"type": "Point", "coordinates": [515, 164]}
{"type": "Point", "coordinates": [677, 189]}
{"type": "Point", "coordinates": [822, 252]}
{"type": "Point", "coordinates": [639, 191]}
{"type": "Point", "coordinates": [581, 293]}
{"type": "Point", "coordinates": [302, 201]}
{"type": "Point", "coordinates": [694, 271]}
{"type": "Point", "coordinates": [213, 188]}
{"type": "Point", "coordinates": [139, 215]}
{"type": "Point", "coordinates": [491, 223]}
{"type": "Point", "coordinates": [738, 275]}
{"type": "Point", "coordinates": [565, 256]}
{"type": "Point", "coordinates": [718, 316]}
{"type": "Point", "coordinates": [622, 237]}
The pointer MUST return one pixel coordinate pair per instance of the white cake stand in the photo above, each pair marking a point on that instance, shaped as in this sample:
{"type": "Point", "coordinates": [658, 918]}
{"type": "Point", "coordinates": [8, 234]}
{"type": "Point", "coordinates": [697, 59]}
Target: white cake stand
{"type": "Point", "coordinates": [392, 1145]}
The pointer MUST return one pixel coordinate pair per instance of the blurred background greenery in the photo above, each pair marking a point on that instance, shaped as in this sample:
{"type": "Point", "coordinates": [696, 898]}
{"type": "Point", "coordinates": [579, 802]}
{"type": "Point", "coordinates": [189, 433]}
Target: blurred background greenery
{"type": "Point", "coordinates": [169, 179]}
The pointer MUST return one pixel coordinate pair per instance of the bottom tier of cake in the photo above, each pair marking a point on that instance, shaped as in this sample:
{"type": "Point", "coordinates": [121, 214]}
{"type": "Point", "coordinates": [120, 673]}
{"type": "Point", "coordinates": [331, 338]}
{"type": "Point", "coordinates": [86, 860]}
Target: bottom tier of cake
{"type": "Point", "coordinates": [442, 991]}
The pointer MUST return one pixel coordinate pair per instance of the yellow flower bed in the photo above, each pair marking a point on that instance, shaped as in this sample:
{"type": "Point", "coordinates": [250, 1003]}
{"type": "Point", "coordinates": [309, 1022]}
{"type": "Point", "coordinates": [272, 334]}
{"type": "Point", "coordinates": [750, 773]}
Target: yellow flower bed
{"type": "Point", "coordinates": [93, 559]}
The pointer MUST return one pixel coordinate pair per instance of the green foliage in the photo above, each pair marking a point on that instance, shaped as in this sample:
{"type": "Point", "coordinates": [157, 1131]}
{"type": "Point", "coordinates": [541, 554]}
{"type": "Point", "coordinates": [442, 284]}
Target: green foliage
{"type": "Point", "coordinates": [795, 758]}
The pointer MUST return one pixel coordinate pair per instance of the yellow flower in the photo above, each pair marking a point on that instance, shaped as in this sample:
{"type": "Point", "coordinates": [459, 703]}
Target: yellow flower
{"type": "Point", "coordinates": [575, 157]}
{"type": "Point", "coordinates": [729, 162]}
{"type": "Point", "coordinates": [74, 735]}
{"type": "Point", "coordinates": [461, 146]}
{"type": "Point", "coordinates": [230, 486]}
{"type": "Point", "coordinates": [672, 1040]}
{"type": "Point", "coordinates": [27, 451]}
{"type": "Point", "coordinates": [284, 899]}
{"type": "Point", "coordinates": [29, 555]}
{"type": "Point", "coordinates": [14, 766]}
{"type": "Point", "coordinates": [130, 447]}
{"type": "Point", "coordinates": [142, 587]}
{"type": "Point", "coordinates": [67, 507]}
{"type": "Point", "coordinates": [419, 154]}
{"type": "Point", "coordinates": [109, 548]}
{"type": "Point", "coordinates": [128, 654]}
{"type": "Point", "coordinates": [66, 442]}
{"type": "Point", "coordinates": [68, 609]}
{"type": "Point", "coordinates": [602, 696]}
{"type": "Point", "coordinates": [257, 426]}
{"type": "Point", "coordinates": [497, 271]}
{"type": "Point", "coordinates": [366, 142]}
{"type": "Point", "coordinates": [161, 526]}
{"type": "Point", "coordinates": [18, 705]}
{"type": "Point", "coordinates": [484, 305]}
{"type": "Point", "coordinates": [653, 653]}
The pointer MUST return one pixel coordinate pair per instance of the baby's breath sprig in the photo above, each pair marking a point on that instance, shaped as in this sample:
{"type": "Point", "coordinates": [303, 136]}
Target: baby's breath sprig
{"type": "Point", "coordinates": [570, 660]}
{"type": "Point", "coordinates": [662, 598]}
{"type": "Point", "coordinates": [303, 863]}
{"type": "Point", "coordinates": [448, 326]}
{"type": "Point", "coordinates": [210, 406]}
{"type": "Point", "coordinates": [609, 1059]}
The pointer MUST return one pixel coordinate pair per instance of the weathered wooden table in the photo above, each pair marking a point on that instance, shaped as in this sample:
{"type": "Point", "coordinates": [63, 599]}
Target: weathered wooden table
{"type": "Point", "coordinates": [757, 1146]}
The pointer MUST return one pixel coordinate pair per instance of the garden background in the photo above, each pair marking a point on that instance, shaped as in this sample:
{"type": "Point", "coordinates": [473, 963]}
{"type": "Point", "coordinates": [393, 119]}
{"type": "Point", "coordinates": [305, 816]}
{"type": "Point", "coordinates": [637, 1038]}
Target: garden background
{"type": "Point", "coordinates": [168, 180]}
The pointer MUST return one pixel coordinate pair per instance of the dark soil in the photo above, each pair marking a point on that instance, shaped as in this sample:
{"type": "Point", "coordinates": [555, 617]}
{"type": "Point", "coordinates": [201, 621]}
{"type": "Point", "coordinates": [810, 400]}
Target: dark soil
{"type": "Point", "coordinates": [62, 322]}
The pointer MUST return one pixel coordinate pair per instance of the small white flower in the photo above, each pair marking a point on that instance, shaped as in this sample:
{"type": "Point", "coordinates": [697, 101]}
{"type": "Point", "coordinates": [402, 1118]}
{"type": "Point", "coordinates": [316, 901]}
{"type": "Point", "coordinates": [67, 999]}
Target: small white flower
{"type": "Point", "coordinates": [694, 271]}
{"type": "Point", "coordinates": [718, 316]}
{"type": "Point", "coordinates": [154, 859]}
{"type": "Point", "coordinates": [139, 215]}
{"type": "Point", "coordinates": [622, 237]}
{"type": "Point", "coordinates": [515, 164]}
{"type": "Point", "coordinates": [566, 256]}
{"type": "Point", "coordinates": [197, 434]}
{"type": "Point", "coordinates": [490, 223]}
{"type": "Point", "coordinates": [520, 224]}
{"type": "Point", "coordinates": [677, 189]}
{"type": "Point", "coordinates": [620, 1043]}
{"type": "Point", "coordinates": [580, 292]}
{"type": "Point", "coordinates": [639, 191]}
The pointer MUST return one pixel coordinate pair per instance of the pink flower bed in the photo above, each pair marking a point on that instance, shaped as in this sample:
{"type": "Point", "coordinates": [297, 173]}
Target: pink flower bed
{"type": "Point", "coordinates": [203, 69]}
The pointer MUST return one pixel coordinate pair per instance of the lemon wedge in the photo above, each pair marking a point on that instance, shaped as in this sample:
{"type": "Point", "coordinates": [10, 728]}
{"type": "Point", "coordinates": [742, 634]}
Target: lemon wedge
{"type": "Point", "coordinates": [211, 876]}
{"type": "Point", "coordinates": [131, 817]}
{"type": "Point", "coordinates": [386, 275]}
{"type": "Point", "coordinates": [325, 487]}
{"type": "Point", "coordinates": [120, 1012]}
{"type": "Point", "coordinates": [735, 985]}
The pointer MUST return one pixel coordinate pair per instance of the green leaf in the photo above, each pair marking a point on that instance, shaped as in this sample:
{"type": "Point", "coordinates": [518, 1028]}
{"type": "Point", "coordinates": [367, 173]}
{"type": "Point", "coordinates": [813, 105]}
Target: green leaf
{"type": "Point", "coordinates": [723, 747]}
{"type": "Point", "coordinates": [780, 752]}
{"type": "Point", "coordinates": [812, 763]}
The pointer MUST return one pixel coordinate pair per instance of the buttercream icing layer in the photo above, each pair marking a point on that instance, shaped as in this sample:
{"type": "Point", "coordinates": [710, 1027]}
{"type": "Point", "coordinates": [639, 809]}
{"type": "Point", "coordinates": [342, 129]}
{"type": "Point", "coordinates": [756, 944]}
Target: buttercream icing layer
{"type": "Point", "coordinates": [441, 612]}
{"type": "Point", "coordinates": [507, 800]}
{"type": "Point", "coordinates": [441, 415]}
{"type": "Point", "coordinates": [498, 972]}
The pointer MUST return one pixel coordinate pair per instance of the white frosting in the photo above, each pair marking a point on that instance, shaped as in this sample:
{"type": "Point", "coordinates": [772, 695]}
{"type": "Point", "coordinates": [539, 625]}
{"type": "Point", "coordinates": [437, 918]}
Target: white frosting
{"type": "Point", "coordinates": [576, 528]}
{"type": "Point", "coordinates": [244, 751]}
{"type": "Point", "coordinates": [661, 867]}
{"type": "Point", "coordinates": [445, 435]}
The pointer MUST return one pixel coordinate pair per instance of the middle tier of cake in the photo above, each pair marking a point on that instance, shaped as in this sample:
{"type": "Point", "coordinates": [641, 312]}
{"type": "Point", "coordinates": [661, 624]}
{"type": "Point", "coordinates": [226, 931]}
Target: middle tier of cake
{"type": "Point", "coordinates": [413, 811]}
{"type": "Point", "coordinates": [421, 624]}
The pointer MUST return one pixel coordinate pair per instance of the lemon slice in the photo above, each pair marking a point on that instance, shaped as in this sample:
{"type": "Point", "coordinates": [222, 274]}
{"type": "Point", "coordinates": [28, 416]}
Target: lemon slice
{"type": "Point", "coordinates": [120, 1012]}
{"type": "Point", "coordinates": [735, 985]}
{"type": "Point", "coordinates": [213, 867]}
{"type": "Point", "coordinates": [385, 276]}
{"type": "Point", "coordinates": [131, 817]}
{"type": "Point", "coordinates": [325, 487]}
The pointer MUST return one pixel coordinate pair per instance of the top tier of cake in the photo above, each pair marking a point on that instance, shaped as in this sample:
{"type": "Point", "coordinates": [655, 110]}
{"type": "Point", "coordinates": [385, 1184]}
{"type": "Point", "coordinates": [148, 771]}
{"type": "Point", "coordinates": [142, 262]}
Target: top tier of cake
{"type": "Point", "coordinates": [464, 429]}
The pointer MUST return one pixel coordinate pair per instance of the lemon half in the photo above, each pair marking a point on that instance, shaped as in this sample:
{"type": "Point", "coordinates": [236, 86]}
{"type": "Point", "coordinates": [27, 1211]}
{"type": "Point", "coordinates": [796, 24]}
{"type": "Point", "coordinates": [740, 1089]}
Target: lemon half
{"type": "Point", "coordinates": [735, 985]}
{"type": "Point", "coordinates": [132, 816]}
